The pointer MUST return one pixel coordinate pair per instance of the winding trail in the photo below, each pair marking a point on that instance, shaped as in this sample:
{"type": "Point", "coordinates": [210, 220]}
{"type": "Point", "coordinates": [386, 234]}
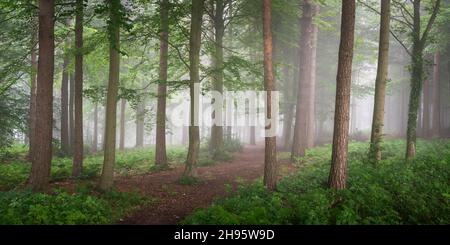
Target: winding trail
{"type": "Point", "coordinates": [175, 201]}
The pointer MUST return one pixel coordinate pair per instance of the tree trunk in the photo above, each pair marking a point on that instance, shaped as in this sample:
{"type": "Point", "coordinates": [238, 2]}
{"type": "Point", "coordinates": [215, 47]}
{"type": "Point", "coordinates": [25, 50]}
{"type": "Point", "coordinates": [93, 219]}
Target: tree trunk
{"type": "Point", "coordinates": [140, 127]}
{"type": "Point", "coordinates": [41, 161]}
{"type": "Point", "coordinates": [123, 104]}
{"type": "Point", "coordinates": [106, 179]}
{"type": "Point", "coordinates": [78, 130]}
{"type": "Point", "coordinates": [194, 60]}
{"type": "Point", "coordinates": [64, 107]}
{"type": "Point", "coordinates": [217, 129]}
{"type": "Point", "coordinates": [95, 141]}
{"type": "Point", "coordinates": [304, 119]}
{"type": "Point", "coordinates": [436, 95]}
{"type": "Point", "coordinates": [270, 156]}
{"type": "Point", "coordinates": [380, 83]}
{"type": "Point", "coordinates": [426, 116]}
{"type": "Point", "coordinates": [71, 111]}
{"type": "Point", "coordinates": [33, 92]}
{"type": "Point", "coordinates": [160, 151]}
{"type": "Point", "coordinates": [338, 172]}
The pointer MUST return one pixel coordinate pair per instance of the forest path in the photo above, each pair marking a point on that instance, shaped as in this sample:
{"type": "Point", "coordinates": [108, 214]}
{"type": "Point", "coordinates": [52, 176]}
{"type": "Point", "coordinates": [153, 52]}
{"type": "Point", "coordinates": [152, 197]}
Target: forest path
{"type": "Point", "coordinates": [175, 201]}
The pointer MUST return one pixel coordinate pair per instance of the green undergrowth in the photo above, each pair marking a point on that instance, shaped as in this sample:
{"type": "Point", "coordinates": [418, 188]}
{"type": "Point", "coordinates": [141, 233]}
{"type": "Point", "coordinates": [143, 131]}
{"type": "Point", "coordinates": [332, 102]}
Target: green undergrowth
{"type": "Point", "coordinates": [392, 192]}
{"type": "Point", "coordinates": [15, 171]}
{"type": "Point", "coordinates": [84, 206]}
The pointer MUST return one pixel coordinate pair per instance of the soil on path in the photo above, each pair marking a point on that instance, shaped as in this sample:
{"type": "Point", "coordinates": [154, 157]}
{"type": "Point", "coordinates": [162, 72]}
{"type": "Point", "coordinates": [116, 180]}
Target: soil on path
{"type": "Point", "coordinates": [175, 201]}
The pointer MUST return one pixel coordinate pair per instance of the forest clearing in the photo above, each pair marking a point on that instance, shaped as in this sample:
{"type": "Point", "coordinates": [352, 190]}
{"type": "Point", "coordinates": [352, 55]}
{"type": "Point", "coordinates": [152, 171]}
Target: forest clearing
{"type": "Point", "coordinates": [225, 112]}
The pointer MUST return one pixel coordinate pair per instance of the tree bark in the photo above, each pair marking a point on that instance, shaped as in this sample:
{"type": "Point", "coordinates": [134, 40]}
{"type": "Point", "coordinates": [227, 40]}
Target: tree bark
{"type": "Point", "coordinates": [140, 127]}
{"type": "Point", "coordinates": [219, 27]}
{"type": "Point", "coordinates": [33, 92]}
{"type": "Point", "coordinates": [194, 60]}
{"type": "Point", "coordinates": [436, 95]}
{"type": "Point", "coordinates": [160, 151]}
{"type": "Point", "coordinates": [106, 179]}
{"type": "Point", "coordinates": [95, 141]}
{"type": "Point", "coordinates": [304, 119]}
{"type": "Point", "coordinates": [71, 112]}
{"type": "Point", "coordinates": [41, 161]}
{"type": "Point", "coordinates": [65, 107]}
{"type": "Point", "coordinates": [123, 104]}
{"type": "Point", "coordinates": [270, 156]}
{"type": "Point", "coordinates": [419, 40]}
{"type": "Point", "coordinates": [78, 127]}
{"type": "Point", "coordinates": [380, 83]}
{"type": "Point", "coordinates": [338, 172]}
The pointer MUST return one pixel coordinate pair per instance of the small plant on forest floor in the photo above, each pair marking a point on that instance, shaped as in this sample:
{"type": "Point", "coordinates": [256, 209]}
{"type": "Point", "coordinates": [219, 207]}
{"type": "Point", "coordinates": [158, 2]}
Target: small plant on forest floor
{"type": "Point", "coordinates": [187, 180]}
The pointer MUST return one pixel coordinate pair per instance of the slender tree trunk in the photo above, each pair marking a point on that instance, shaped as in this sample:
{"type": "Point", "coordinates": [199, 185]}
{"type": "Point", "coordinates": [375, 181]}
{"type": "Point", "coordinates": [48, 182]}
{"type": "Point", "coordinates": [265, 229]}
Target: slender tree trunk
{"type": "Point", "coordinates": [288, 107]}
{"type": "Point", "coordinates": [140, 127]}
{"type": "Point", "coordinates": [33, 92]}
{"type": "Point", "coordinates": [304, 120]}
{"type": "Point", "coordinates": [71, 112]}
{"type": "Point", "coordinates": [41, 161]}
{"type": "Point", "coordinates": [194, 60]}
{"type": "Point", "coordinates": [270, 156]}
{"type": "Point", "coordinates": [123, 104]}
{"type": "Point", "coordinates": [338, 172]}
{"type": "Point", "coordinates": [380, 83]}
{"type": "Point", "coordinates": [417, 75]}
{"type": "Point", "coordinates": [426, 113]}
{"type": "Point", "coordinates": [217, 130]}
{"type": "Point", "coordinates": [95, 141]}
{"type": "Point", "coordinates": [106, 179]}
{"type": "Point", "coordinates": [78, 129]}
{"type": "Point", "coordinates": [64, 107]}
{"type": "Point", "coordinates": [161, 154]}
{"type": "Point", "coordinates": [436, 95]}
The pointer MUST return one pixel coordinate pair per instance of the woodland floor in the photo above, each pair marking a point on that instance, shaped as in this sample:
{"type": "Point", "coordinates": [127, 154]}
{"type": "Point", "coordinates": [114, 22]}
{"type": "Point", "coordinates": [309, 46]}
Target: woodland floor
{"type": "Point", "coordinates": [174, 201]}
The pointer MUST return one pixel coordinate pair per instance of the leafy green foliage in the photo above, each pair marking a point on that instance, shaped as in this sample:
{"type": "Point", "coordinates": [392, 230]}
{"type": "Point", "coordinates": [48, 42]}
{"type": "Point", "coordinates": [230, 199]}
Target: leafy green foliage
{"type": "Point", "coordinates": [62, 207]}
{"type": "Point", "coordinates": [16, 171]}
{"type": "Point", "coordinates": [391, 193]}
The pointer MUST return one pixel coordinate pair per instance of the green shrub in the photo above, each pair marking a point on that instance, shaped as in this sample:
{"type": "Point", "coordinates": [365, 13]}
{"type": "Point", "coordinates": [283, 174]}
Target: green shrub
{"type": "Point", "coordinates": [393, 192]}
{"type": "Point", "coordinates": [65, 208]}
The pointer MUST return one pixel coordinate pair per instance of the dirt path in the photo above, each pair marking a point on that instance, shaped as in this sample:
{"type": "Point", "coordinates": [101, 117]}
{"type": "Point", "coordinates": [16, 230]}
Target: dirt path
{"type": "Point", "coordinates": [175, 201]}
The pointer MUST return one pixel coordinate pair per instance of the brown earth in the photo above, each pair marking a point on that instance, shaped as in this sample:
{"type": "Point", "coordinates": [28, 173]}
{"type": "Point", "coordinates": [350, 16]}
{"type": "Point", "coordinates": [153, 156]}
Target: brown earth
{"type": "Point", "coordinates": [174, 201]}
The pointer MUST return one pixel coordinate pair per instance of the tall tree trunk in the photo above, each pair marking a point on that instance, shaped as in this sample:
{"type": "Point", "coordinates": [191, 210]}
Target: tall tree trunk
{"type": "Point", "coordinates": [123, 104]}
{"type": "Point", "coordinates": [194, 60]}
{"type": "Point", "coordinates": [78, 130]}
{"type": "Point", "coordinates": [140, 127]}
{"type": "Point", "coordinates": [95, 141]}
{"type": "Point", "coordinates": [288, 107]}
{"type": "Point", "coordinates": [304, 119]}
{"type": "Point", "coordinates": [41, 161]}
{"type": "Point", "coordinates": [33, 92]}
{"type": "Point", "coordinates": [71, 111]}
{"type": "Point", "coordinates": [219, 27]}
{"type": "Point", "coordinates": [64, 107]}
{"type": "Point", "coordinates": [106, 179]}
{"type": "Point", "coordinates": [160, 151]}
{"type": "Point", "coordinates": [270, 156]}
{"type": "Point", "coordinates": [338, 172]}
{"type": "Point", "coordinates": [380, 83]}
{"type": "Point", "coordinates": [417, 74]}
{"type": "Point", "coordinates": [426, 113]}
{"type": "Point", "coordinates": [436, 95]}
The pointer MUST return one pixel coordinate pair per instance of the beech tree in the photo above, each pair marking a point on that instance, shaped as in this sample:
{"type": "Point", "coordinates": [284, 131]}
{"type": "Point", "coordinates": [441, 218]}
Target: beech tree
{"type": "Point", "coordinates": [381, 82]}
{"type": "Point", "coordinates": [160, 151]}
{"type": "Point", "coordinates": [194, 74]}
{"type": "Point", "coordinates": [106, 179]}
